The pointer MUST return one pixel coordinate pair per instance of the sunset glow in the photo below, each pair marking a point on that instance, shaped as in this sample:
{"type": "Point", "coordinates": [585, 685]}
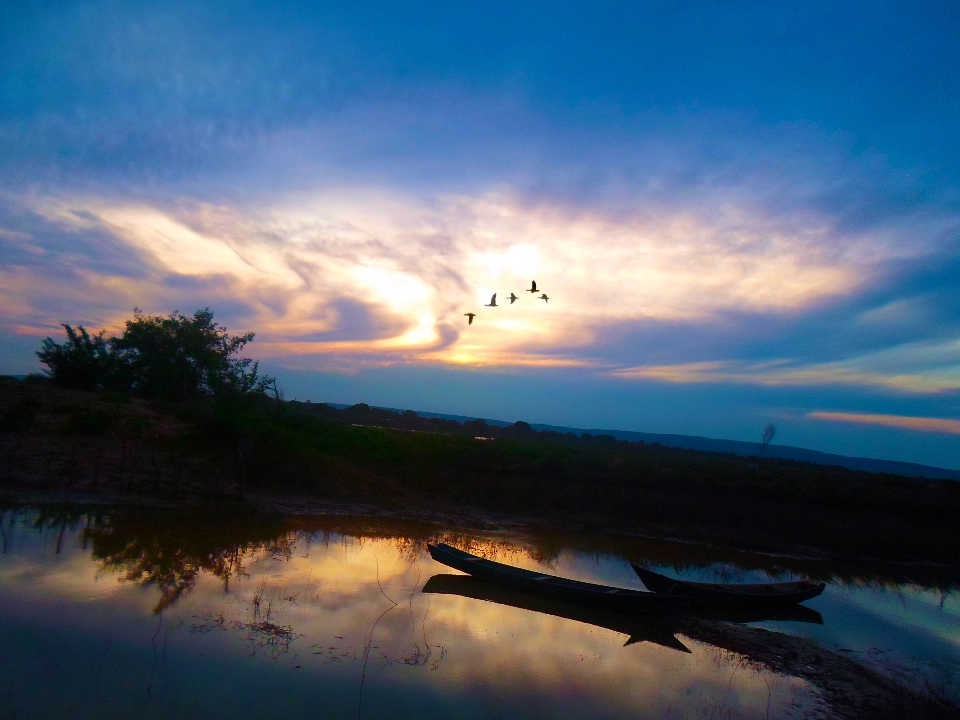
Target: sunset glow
{"type": "Point", "coordinates": [748, 233]}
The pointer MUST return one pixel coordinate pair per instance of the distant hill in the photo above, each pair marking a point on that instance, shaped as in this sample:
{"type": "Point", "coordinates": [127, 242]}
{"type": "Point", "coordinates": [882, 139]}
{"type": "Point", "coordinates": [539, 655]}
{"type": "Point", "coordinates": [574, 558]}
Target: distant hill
{"type": "Point", "coordinates": [735, 447]}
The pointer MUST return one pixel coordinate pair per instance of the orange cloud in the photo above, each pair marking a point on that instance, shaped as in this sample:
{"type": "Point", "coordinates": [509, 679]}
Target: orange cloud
{"type": "Point", "coordinates": [904, 422]}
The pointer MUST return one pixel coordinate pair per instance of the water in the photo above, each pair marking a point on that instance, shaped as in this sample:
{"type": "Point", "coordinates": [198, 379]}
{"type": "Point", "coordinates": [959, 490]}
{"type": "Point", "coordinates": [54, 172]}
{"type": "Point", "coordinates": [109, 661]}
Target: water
{"type": "Point", "coordinates": [170, 614]}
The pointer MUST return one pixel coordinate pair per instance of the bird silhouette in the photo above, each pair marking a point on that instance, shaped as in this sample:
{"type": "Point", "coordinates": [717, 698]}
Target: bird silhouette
{"type": "Point", "coordinates": [470, 317]}
{"type": "Point", "coordinates": [513, 298]}
{"type": "Point", "coordinates": [544, 298]}
{"type": "Point", "coordinates": [493, 301]}
{"type": "Point", "coordinates": [533, 287]}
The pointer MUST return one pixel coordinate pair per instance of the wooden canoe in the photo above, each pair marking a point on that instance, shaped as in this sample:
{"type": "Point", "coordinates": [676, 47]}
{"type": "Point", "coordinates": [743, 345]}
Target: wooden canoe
{"type": "Point", "coordinates": [553, 586]}
{"type": "Point", "coordinates": [732, 595]}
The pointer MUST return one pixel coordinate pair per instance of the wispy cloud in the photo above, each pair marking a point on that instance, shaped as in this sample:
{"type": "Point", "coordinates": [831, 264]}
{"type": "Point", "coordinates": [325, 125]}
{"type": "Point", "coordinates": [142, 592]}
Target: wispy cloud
{"type": "Point", "coordinates": [922, 368]}
{"type": "Point", "coordinates": [902, 422]}
{"type": "Point", "coordinates": [416, 267]}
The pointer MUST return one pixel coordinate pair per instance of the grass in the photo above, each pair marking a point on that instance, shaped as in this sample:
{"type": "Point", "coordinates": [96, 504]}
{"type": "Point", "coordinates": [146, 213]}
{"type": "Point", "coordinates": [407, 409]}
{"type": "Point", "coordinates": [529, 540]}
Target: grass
{"type": "Point", "coordinates": [206, 450]}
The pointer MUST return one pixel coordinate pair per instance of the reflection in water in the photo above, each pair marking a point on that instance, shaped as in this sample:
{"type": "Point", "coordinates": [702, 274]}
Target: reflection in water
{"type": "Point", "coordinates": [171, 554]}
{"type": "Point", "coordinates": [639, 627]}
{"type": "Point", "coordinates": [236, 614]}
{"type": "Point", "coordinates": [659, 629]}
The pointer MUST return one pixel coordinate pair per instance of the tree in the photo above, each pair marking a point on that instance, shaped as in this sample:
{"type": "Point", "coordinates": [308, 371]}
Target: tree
{"type": "Point", "coordinates": [173, 358]}
{"type": "Point", "coordinates": [178, 356]}
{"type": "Point", "coordinates": [84, 361]}
{"type": "Point", "coordinates": [769, 432]}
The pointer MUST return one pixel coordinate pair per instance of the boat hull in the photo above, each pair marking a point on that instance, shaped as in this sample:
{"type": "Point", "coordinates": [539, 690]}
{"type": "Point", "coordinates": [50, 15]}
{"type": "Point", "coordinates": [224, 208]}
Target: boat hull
{"type": "Point", "coordinates": [728, 595]}
{"type": "Point", "coordinates": [553, 586]}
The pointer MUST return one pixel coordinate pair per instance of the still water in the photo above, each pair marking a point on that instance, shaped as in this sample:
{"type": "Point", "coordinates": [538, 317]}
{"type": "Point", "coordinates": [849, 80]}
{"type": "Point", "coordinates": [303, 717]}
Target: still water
{"type": "Point", "coordinates": [173, 614]}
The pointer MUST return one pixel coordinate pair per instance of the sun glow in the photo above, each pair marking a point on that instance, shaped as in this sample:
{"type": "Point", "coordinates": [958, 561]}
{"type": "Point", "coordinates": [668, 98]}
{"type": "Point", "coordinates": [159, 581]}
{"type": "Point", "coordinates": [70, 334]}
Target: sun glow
{"type": "Point", "coordinates": [410, 270]}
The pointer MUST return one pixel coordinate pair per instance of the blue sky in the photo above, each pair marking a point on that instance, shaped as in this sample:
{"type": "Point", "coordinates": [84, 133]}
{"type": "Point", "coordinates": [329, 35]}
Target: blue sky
{"type": "Point", "coordinates": [742, 212]}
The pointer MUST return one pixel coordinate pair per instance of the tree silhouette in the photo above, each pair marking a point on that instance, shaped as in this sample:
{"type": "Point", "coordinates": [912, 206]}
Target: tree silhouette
{"type": "Point", "coordinates": [170, 551]}
{"type": "Point", "coordinates": [769, 432]}
{"type": "Point", "coordinates": [172, 357]}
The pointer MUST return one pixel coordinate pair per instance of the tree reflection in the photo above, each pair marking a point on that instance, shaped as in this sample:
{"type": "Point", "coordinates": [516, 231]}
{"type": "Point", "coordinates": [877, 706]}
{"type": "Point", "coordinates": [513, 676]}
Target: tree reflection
{"type": "Point", "coordinates": [171, 551]}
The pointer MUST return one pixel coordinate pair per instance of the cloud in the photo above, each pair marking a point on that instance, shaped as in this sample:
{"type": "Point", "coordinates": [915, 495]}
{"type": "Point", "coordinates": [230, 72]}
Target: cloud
{"type": "Point", "coordinates": [416, 266]}
{"type": "Point", "coordinates": [923, 424]}
{"type": "Point", "coordinates": [671, 250]}
{"type": "Point", "coordinates": [921, 368]}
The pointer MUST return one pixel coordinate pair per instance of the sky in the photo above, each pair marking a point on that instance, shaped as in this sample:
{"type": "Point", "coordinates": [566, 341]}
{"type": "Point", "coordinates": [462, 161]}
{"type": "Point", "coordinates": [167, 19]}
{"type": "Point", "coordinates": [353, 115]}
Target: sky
{"type": "Point", "coordinates": [741, 212]}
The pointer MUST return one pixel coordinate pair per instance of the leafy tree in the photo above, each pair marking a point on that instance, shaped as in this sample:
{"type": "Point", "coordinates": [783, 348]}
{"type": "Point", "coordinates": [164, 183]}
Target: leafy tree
{"type": "Point", "coordinates": [183, 356]}
{"type": "Point", "coordinates": [84, 361]}
{"type": "Point", "coordinates": [173, 358]}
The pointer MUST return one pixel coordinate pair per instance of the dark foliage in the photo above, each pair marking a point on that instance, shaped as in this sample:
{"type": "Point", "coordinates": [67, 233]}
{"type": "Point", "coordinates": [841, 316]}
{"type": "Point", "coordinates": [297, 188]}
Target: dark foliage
{"type": "Point", "coordinates": [170, 358]}
{"type": "Point", "coordinates": [83, 362]}
{"type": "Point", "coordinates": [172, 554]}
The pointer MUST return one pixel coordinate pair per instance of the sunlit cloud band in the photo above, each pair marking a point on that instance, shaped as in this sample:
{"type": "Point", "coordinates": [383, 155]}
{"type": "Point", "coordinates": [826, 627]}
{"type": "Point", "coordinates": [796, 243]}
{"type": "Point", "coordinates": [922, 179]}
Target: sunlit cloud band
{"type": "Point", "coordinates": [924, 424]}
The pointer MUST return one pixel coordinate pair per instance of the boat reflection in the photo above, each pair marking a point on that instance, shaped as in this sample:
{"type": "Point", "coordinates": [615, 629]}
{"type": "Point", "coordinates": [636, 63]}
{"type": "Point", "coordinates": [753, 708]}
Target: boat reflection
{"type": "Point", "coordinates": [639, 627]}
{"type": "Point", "coordinates": [659, 629]}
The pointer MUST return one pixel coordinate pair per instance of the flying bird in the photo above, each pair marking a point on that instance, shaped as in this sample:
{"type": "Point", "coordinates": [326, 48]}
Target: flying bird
{"type": "Point", "coordinates": [544, 298]}
{"type": "Point", "coordinates": [470, 317]}
{"type": "Point", "coordinates": [493, 301]}
{"type": "Point", "coordinates": [533, 287]}
{"type": "Point", "coordinates": [513, 298]}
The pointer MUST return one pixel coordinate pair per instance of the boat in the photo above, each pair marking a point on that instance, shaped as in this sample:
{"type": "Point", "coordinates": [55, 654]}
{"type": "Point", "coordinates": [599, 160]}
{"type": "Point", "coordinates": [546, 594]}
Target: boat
{"type": "Point", "coordinates": [554, 586]}
{"type": "Point", "coordinates": [730, 594]}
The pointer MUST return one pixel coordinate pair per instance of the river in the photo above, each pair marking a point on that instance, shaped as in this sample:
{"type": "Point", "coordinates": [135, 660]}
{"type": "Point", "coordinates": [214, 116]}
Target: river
{"type": "Point", "coordinates": [153, 613]}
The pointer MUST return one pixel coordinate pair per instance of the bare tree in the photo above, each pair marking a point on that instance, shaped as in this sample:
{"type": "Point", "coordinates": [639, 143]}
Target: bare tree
{"type": "Point", "coordinates": [769, 433]}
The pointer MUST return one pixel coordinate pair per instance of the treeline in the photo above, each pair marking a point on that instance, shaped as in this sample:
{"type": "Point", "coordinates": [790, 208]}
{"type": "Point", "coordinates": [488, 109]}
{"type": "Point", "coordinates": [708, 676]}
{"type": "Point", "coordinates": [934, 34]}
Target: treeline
{"type": "Point", "coordinates": [364, 415]}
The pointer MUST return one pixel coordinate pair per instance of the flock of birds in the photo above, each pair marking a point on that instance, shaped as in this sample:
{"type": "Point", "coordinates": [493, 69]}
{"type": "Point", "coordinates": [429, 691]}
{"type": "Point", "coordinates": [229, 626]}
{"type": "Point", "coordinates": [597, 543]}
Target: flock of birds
{"type": "Point", "coordinates": [513, 298]}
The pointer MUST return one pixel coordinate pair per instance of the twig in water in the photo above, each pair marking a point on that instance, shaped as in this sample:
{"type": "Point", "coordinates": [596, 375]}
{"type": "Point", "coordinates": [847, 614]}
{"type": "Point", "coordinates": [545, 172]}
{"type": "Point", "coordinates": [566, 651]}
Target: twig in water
{"type": "Point", "coordinates": [366, 655]}
{"type": "Point", "coordinates": [63, 527]}
{"type": "Point", "coordinates": [99, 669]}
{"type": "Point", "coordinates": [378, 581]}
{"type": "Point", "coordinates": [369, 642]}
{"type": "Point", "coordinates": [153, 642]}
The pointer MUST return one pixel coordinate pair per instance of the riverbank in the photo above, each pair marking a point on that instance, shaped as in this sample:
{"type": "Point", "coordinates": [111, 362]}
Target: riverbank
{"type": "Point", "coordinates": [300, 457]}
